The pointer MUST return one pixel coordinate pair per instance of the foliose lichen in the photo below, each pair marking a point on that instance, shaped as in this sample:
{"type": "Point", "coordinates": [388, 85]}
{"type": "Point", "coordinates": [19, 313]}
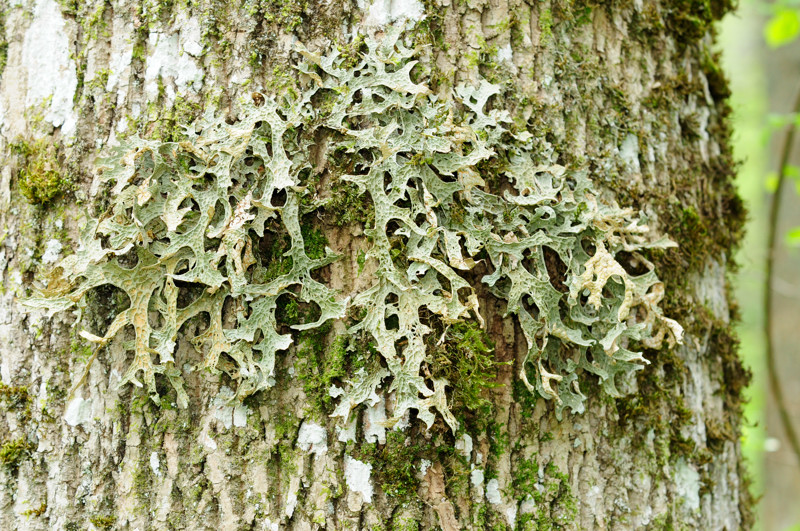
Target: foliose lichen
{"type": "Point", "coordinates": [458, 201]}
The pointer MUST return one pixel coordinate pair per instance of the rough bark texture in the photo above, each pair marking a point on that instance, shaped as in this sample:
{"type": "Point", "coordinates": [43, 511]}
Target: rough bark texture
{"type": "Point", "coordinates": [628, 90]}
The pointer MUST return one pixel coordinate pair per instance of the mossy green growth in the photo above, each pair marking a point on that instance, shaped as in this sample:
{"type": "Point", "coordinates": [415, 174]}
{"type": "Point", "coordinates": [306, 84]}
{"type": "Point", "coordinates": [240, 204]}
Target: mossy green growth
{"type": "Point", "coordinates": [35, 513]}
{"type": "Point", "coordinates": [41, 178]}
{"type": "Point", "coordinates": [546, 25]}
{"type": "Point", "coordinates": [103, 521]}
{"type": "Point", "coordinates": [463, 355]}
{"type": "Point", "coordinates": [12, 452]}
{"type": "Point", "coordinates": [3, 43]}
{"type": "Point", "coordinates": [525, 477]}
{"type": "Point", "coordinates": [555, 504]}
{"type": "Point", "coordinates": [395, 465]}
{"type": "Point", "coordinates": [348, 206]}
{"type": "Point", "coordinates": [286, 14]}
{"type": "Point", "coordinates": [16, 398]}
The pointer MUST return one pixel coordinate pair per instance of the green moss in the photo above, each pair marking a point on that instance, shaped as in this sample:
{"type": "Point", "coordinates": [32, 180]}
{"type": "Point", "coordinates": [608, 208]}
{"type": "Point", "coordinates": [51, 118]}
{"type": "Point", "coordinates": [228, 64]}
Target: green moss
{"type": "Point", "coordinates": [3, 43]}
{"type": "Point", "coordinates": [13, 452]}
{"type": "Point", "coordinates": [16, 398]}
{"type": "Point", "coordinates": [286, 14]}
{"type": "Point", "coordinates": [284, 456]}
{"type": "Point", "coordinates": [463, 354]}
{"type": "Point", "coordinates": [319, 366]}
{"type": "Point", "coordinates": [35, 513]}
{"type": "Point", "coordinates": [525, 477]}
{"type": "Point", "coordinates": [41, 178]}
{"type": "Point", "coordinates": [103, 521]}
{"type": "Point", "coordinates": [733, 377]}
{"type": "Point", "coordinates": [395, 465]}
{"type": "Point", "coordinates": [546, 25]}
{"type": "Point", "coordinates": [314, 241]}
{"type": "Point", "coordinates": [168, 125]}
{"type": "Point", "coordinates": [499, 440]}
{"type": "Point", "coordinates": [347, 206]}
{"type": "Point", "coordinates": [352, 52]}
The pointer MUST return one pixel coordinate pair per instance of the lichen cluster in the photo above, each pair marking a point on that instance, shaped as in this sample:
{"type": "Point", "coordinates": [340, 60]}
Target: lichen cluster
{"type": "Point", "coordinates": [458, 201]}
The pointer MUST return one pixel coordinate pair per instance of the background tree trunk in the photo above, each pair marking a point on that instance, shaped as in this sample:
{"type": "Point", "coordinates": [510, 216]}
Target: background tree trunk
{"type": "Point", "coordinates": [631, 91]}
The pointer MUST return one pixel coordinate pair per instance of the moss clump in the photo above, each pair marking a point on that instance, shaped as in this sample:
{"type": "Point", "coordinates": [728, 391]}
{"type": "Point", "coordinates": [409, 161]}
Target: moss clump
{"type": "Point", "coordinates": [39, 511]}
{"type": "Point", "coordinates": [466, 359]}
{"type": "Point", "coordinates": [525, 478]}
{"type": "Point", "coordinates": [40, 178]}
{"type": "Point", "coordinates": [319, 366]}
{"type": "Point", "coordinates": [691, 19]}
{"type": "Point", "coordinates": [13, 452]}
{"type": "Point", "coordinates": [103, 521]}
{"type": "Point", "coordinates": [734, 377]}
{"type": "Point", "coordinates": [286, 14]}
{"type": "Point", "coordinates": [395, 464]}
{"type": "Point", "coordinates": [3, 43]}
{"type": "Point", "coordinates": [16, 397]}
{"type": "Point", "coordinates": [546, 25]}
{"type": "Point", "coordinates": [348, 206]}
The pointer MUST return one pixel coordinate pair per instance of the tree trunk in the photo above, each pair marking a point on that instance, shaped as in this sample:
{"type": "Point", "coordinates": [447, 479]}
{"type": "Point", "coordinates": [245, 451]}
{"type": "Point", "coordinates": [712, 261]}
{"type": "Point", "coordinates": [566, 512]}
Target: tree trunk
{"type": "Point", "coordinates": [627, 92]}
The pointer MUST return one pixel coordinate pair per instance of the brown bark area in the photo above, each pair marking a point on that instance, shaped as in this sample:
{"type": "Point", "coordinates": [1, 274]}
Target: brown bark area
{"type": "Point", "coordinates": [627, 90]}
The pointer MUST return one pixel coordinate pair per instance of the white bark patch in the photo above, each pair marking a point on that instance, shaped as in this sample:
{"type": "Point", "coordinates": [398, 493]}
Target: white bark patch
{"type": "Point", "coordinates": [528, 505]}
{"type": "Point", "coordinates": [629, 152]}
{"type": "Point", "coordinates": [375, 430]}
{"type": "Point", "coordinates": [291, 504]}
{"type": "Point", "coordinates": [155, 464]}
{"type": "Point", "coordinates": [52, 74]}
{"type": "Point", "coordinates": [291, 498]}
{"type": "Point", "coordinates": [424, 465]}
{"type": "Point", "coordinates": [240, 414]}
{"type": "Point", "coordinates": [493, 492]}
{"type": "Point", "coordinates": [79, 411]}
{"type": "Point", "coordinates": [383, 12]}
{"type": "Point", "coordinates": [403, 423]}
{"type": "Point", "coordinates": [511, 515]}
{"type": "Point", "coordinates": [505, 53]}
{"type": "Point", "coordinates": [119, 63]}
{"type": "Point", "coordinates": [464, 445]}
{"type": "Point", "coordinates": [209, 443]}
{"type": "Point", "coordinates": [347, 433]}
{"type": "Point", "coordinates": [476, 477]}
{"type": "Point", "coordinates": [357, 475]}
{"type": "Point", "coordinates": [52, 250]}
{"type": "Point", "coordinates": [687, 485]}
{"type": "Point", "coordinates": [166, 62]}
{"type": "Point", "coordinates": [313, 438]}
{"type": "Point", "coordinates": [191, 37]}
{"type": "Point", "coordinates": [223, 410]}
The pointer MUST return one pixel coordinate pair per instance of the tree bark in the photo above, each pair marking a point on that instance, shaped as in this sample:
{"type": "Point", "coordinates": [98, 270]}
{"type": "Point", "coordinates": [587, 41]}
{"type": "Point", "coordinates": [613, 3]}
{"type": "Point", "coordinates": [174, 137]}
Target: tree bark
{"type": "Point", "coordinates": [628, 91]}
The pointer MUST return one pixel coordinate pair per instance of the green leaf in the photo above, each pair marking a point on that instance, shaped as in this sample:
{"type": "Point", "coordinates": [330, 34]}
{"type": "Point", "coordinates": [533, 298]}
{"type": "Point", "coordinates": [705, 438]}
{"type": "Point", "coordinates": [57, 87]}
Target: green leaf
{"type": "Point", "coordinates": [793, 237]}
{"type": "Point", "coordinates": [771, 182]}
{"type": "Point", "coordinates": [782, 28]}
{"type": "Point", "coordinates": [792, 172]}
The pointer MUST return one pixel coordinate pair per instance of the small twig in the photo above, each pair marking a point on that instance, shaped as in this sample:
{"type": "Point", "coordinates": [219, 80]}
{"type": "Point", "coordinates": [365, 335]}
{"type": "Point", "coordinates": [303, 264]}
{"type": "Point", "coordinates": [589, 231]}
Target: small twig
{"type": "Point", "coordinates": [774, 208]}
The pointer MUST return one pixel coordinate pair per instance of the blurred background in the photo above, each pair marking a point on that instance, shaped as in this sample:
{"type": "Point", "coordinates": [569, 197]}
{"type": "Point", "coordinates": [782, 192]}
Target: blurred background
{"type": "Point", "coordinates": [760, 44]}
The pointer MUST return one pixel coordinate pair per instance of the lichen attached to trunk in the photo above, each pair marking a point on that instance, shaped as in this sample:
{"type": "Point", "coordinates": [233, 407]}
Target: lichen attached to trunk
{"type": "Point", "coordinates": [455, 200]}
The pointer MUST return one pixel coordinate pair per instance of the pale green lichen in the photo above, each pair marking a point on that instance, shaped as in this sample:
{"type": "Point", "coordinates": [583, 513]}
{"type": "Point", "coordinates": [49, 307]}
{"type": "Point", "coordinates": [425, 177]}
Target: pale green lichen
{"type": "Point", "coordinates": [189, 218]}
